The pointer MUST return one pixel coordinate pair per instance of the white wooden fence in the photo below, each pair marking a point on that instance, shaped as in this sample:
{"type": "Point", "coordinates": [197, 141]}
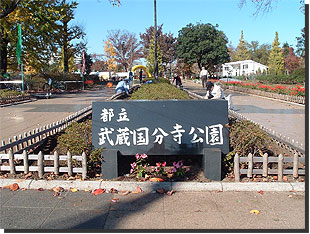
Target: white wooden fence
{"type": "Point", "coordinates": [37, 136]}
{"type": "Point", "coordinates": [265, 171]}
{"type": "Point", "coordinates": [41, 159]}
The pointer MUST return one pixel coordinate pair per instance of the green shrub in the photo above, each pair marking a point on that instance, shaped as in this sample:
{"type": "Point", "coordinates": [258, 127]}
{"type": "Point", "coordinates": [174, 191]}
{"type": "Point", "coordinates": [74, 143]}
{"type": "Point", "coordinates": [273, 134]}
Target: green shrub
{"type": "Point", "coordinates": [246, 137]}
{"type": "Point", "coordinates": [294, 78]}
{"type": "Point", "coordinates": [5, 93]}
{"type": "Point", "coordinates": [160, 91]}
{"type": "Point", "coordinates": [78, 138]}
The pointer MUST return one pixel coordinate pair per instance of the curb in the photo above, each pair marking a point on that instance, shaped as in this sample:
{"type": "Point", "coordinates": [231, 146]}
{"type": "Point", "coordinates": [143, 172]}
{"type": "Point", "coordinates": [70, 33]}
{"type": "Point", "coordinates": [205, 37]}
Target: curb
{"type": "Point", "coordinates": [16, 103]}
{"type": "Point", "coordinates": [151, 186]}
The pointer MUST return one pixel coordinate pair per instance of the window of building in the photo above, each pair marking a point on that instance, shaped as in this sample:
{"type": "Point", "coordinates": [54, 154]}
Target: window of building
{"type": "Point", "coordinates": [226, 68]}
{"type": "Point", "coordinates": [245, 66]}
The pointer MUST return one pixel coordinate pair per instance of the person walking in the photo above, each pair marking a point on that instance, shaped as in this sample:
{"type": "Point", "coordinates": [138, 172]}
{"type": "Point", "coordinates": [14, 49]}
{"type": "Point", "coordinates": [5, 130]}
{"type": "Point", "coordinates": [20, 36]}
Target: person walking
{"type": "Point", "coordinates": [140, 76]}
{"type": "Point", "coordinates": [203, 76]}
{"type": "Point", "coordinates": [130, 77]}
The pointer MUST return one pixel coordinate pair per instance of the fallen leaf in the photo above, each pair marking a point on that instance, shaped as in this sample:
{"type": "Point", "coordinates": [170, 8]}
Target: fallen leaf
{"type": "Point", "coordinates": [87, 190]}
{"type": "Point", "coordinates": [160, 191]}
{"type": "Point", "coordinates": [275, 177]}
{"type": "Point", "coordinates": [292, 191]}
{"type": "Point", "coordinates": [125, 193]}
{"type": "Point", "coordinates": [22, 180]}
{"type": "Point", "coordinates": [98, 191]}
{"type": "Point", "coordinates": [23, 189]}
{"type": "Point", "coordinates": [156, 180]}
{"type": "Point", "coordinates": [114, 200]}
{"type": "Point", "coordinates": [290, 196]}
{"type": "Point", "coordinates": [169, 193]}
{"type": "Point", "coordinates": [254, 212]}
{"type": "Point", "coordinates": [219, 191]}
{"type": "Point", "coordinates": [139, 190]}
{"type": "Point", "coordinates": [71, 178]}
{"type": "Point", "coordinates": [255, 180]}
{"type": "Point", "coordinates": [265, 180]}
{"type": "Point", "coordinates": [261, 192]}
{"type": "Point", "coordinates": [285, 178]}
{"type": "Point", "coordinates": [40, 189]}
{"type": "Point", "coordinates": [14, 187]}
{"type": "Point", "coordinates": [74, 190]}
{"type": "Point", "coordinates": [113, 190]}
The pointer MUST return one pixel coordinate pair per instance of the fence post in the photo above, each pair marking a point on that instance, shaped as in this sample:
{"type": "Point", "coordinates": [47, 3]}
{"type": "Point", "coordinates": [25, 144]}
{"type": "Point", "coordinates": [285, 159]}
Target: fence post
{"type": "Point", "coordinates": [25, 142]}
{"type": "Point", "coordinates": [280, 167]}
{"type": "Point", "coordinates": [295, 166]}
{"type": "Point", "coordinates": [250, 165]}
{"type": "Point", "coordinates": [40, 164]}
{"type": "Point", "coordinates": [237, 168]}
{"type": "Point", "coordinates": [11, 162]}
{"type": "Point", "coordinates": [3, 144]}
{"type": "Point", "coordinates": [265, 164]}
{"type": "Point", "coordinates": [56, 163]}
{"type": "Point", "coordinates": [84, 166]}
{"type": "Point", "coordinates": [69, 160]}
{"type": "Point", "coordinates": [26, 163]}
{"type": "Point", "coordinates": [16, 147]}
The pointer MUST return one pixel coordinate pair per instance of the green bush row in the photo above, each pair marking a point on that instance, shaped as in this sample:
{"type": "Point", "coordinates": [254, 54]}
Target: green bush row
{"type": "Point", "coordinates": [296, 77]}
{"type": "Point", "coordinates": [5, 93]}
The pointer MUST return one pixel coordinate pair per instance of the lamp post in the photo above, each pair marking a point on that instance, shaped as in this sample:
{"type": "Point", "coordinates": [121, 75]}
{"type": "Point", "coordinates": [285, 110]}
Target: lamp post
{"type": "Point", "coordinates": [155, 47]}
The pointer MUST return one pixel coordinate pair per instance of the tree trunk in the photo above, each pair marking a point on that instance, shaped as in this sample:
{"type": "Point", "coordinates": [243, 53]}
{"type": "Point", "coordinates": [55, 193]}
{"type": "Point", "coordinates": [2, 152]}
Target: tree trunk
{"type": "Point", "coordinates": [3, 54]}
{"type": "Point", "coordinates": [65, 46]}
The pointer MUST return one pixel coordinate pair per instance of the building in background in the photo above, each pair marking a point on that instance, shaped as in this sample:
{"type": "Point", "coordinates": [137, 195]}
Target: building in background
{"type": "Point", "coordinates": [242, 68]}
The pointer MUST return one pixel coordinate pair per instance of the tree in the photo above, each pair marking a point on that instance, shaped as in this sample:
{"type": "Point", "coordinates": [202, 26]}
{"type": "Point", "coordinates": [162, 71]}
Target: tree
{"type": "Point", "coordinates": [110, 54]}
{"type": "Point", "coordinates": [38, 21]}
{"type": "Point", "coordinates": [242, 52]}
{"type": "Point", "coordinates": [301, 44]}
{"type": "Point", "coordinates": [150, 64]}
{"type": "Point", "coordinates": [126, 46]}
{"type": "Point", "coordinates": [259, 53]}
{"type": "Point", "coordinates": [263, 6]}
{"type": "Point", "coordinates": [202, 44]}
{"type": "Point", "coordinates": [291, 61]}
{"type": "Point", "coordinates": [99, 64]}
{"type": "Point", "coordinates": [276, 60]}
{"type": "Point", "coordinates": [166, 41]}
{"type": "Point", "coordinates": [69, 33]}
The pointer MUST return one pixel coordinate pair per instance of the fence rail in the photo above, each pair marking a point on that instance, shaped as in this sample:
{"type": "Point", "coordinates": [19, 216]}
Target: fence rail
{"type": "Point", "coordinates": [37, 136]}
{"type": "Point", "coordinates": [41, 159]}
{"type": "Point", "coordinates": [265, 171]}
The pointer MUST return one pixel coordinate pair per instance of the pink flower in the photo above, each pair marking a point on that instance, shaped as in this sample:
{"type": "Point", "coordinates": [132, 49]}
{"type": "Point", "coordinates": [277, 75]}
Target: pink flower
{"type": "Point", "coordinates": [137, 156]}
{"type": "Point", "coordinates": [164, 164]}
{"type": "Point", "coordinates": [174, 170]}
{"type": "Point", "coordinates": [143, 156]}
{"type": "Point", "coordinates": [158, 164]}
{"type": "Point", "coordinates": [133, 165]}
{"type": "Point", "coordinates": [131, 171]}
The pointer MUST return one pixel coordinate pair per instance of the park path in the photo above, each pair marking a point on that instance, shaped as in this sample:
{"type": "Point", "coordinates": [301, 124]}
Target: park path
{"type": "Point", "coordinates": [17, 119]}
{"type": "Point", "coordinates": [288, 119]}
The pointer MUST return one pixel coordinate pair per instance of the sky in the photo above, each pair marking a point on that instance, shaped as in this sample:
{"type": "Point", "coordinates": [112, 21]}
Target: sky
{"type": "Point", "coordinates": [97, 17]}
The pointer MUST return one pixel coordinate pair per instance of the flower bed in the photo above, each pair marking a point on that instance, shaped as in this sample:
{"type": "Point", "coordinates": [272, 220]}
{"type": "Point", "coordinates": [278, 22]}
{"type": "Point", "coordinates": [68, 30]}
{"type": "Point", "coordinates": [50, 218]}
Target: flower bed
{"type": "Point", "coordinates": [298, 90]}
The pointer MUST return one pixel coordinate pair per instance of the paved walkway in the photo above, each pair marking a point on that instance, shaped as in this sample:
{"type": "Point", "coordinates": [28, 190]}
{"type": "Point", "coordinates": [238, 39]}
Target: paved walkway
{"type": "Point", "coordinates": [34, 209]}
{"type": "Point", "coordinates": [288, 119]}
{"type": "Point", "coordinates": [17, 119]}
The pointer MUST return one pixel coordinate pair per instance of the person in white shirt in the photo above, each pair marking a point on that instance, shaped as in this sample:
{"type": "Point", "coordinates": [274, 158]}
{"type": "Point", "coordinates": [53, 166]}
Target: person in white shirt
{"type": "Point", "coordinates": [215, 91]}
{"type": "Point", "coordinates": [204, 76]}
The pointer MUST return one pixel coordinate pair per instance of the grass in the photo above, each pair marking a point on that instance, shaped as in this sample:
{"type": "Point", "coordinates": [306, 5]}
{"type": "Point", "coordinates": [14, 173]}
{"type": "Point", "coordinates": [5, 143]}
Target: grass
{"type": "Point", "coordinates": [160, 91]}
